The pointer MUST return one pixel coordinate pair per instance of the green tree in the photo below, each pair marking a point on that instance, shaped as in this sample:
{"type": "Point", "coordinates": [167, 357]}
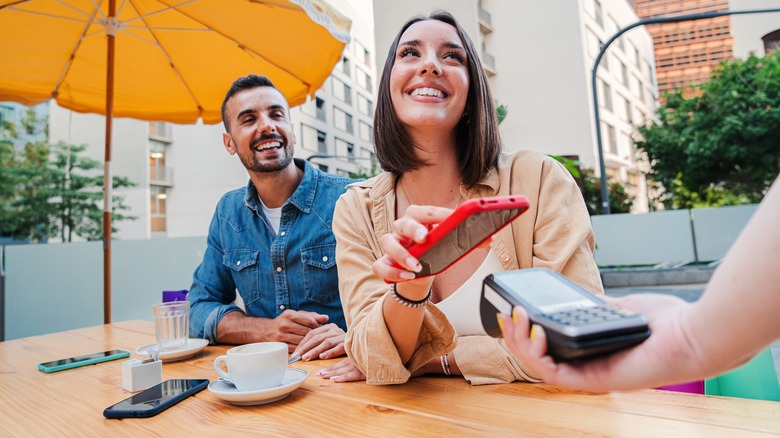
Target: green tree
{"type": "Point", "coordinates": [620, 201]}
{"type": "Point", "coordinates": [49, 190]}
{"type": "Point", "coordinates": [721, 145]}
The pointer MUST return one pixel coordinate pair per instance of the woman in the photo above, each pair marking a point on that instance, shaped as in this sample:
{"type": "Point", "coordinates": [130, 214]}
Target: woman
{"type": "Point", "coordinates": [437, 139]}
{"type": "Point", "coordinates": [735, 318]}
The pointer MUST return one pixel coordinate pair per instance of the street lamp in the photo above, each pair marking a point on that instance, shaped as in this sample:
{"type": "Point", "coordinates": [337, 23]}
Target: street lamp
{"type": "Point", "coordinates": [643, 22]}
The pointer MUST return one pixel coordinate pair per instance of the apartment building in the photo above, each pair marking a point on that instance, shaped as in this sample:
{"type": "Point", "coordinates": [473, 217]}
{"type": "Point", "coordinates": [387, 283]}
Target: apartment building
{"type": "Point", "coordinates": [539, 58]}
{"type": "Point", "coordinates": [686, 52]}
{"type": "Point", "coordinates": [181, 171]}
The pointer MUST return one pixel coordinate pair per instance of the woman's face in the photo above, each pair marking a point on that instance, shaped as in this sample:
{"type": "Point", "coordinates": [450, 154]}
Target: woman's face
{"type": "Point", "coordinates": [429, 82]}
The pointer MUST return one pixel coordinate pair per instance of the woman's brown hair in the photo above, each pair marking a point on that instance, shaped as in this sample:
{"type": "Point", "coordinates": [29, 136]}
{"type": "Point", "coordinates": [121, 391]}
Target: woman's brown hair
{"type": "Point", "coordinates": [477, 136]}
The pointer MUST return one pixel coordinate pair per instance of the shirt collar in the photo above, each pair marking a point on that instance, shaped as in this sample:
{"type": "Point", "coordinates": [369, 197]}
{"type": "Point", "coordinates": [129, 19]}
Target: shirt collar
{"type": "Point", "coordinates": [302, 198]}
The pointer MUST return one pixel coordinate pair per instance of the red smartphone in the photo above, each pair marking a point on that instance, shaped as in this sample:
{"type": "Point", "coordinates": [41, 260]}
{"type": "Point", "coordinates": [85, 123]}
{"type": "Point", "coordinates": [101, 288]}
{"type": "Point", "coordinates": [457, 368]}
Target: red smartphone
{"type": "Point", "coordinates": [472, 223]}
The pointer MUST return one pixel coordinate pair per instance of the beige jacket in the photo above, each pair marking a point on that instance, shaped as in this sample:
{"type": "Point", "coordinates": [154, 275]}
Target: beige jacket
{"type": "Point", "coordinates": [555, 233]}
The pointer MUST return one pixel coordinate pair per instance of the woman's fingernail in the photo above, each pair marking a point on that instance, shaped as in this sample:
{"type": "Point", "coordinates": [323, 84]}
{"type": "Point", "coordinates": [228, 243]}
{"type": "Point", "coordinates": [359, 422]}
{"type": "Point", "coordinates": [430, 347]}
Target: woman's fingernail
{"type": "Point", "coordinates": [514, 316]}
{"type": "Point", "coordinates": [406, 275]}
{"type": "Point", "coordinates": [500, 321]}
{"type": "Point", "coordinates": [322, 373]}
{"type": "Point", "coordinates": [419, 235]}
{"type": "Point", "coordinates": [534, 331]}
{"type": "Point", "coordinates": [413, 263]}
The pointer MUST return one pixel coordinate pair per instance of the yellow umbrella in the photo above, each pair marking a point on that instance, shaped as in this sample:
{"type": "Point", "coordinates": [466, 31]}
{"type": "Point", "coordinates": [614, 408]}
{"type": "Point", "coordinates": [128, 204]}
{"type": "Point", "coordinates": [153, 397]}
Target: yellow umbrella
{"type": "Point", "coordinates": [161, 60]}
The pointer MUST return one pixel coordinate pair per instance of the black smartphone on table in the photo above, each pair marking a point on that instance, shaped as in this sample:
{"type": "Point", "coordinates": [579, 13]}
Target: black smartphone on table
{"type": "Point", "coordinates": [469, 225]}
{"type": "Point", "coordinates": [156, 399]}
{"type": "Point", "coordinates": [577, 323]}
{"type": "Point", "coordinates": [80, 361]}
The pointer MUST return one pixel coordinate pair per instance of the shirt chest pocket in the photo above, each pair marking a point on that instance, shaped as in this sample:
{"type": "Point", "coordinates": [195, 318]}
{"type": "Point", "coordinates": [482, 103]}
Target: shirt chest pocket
{"type": "Point", "coordinates": [243, 265]}
{"type": "Point", "coordinates": [320, 278]}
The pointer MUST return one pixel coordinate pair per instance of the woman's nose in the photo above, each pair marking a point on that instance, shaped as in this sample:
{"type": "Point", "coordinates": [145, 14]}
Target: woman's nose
{"type": "Point", "coordinates": [430, 67]}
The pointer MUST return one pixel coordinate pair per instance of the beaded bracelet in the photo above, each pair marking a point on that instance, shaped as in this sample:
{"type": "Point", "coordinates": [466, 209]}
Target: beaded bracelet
{"type": "Point", "coordinates": [445, 365]}
{"type": "Point", "coordinates": [411, 303]}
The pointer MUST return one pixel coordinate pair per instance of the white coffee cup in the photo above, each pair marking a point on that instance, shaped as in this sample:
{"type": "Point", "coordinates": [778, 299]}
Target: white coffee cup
{"type": "Point", "coordinates": [253, 367]}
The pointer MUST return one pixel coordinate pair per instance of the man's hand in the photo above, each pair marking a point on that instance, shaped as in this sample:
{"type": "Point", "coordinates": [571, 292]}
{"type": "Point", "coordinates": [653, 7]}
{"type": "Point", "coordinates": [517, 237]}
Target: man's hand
{"type": "Point", "coordinates": [291, 327]}
{"type": "Point", "coordinates": [324, 342]}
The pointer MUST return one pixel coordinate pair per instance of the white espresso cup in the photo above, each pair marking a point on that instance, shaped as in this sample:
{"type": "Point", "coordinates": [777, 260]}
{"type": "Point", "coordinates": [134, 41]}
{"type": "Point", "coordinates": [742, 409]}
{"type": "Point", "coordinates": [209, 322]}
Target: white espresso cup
{"type": "Point", "coordinates": [253, 367]}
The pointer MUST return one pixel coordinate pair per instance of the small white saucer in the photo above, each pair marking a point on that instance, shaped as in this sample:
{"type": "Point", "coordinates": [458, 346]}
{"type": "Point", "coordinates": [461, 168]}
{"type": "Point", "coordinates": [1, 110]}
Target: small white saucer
{"type": "Point", "coordinates": [293, 378]}
{"type": "Point", "coordinates": [193, 346]}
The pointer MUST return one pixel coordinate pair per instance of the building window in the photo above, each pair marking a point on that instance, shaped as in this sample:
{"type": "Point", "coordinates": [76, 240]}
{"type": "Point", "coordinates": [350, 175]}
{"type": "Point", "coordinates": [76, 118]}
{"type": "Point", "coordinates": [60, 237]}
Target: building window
{"type": "Point", "coordinates": [637, 58]}
{"type": "Point", "coordinates": [345, 149]}
{"type": "Point", "coordinates": [342, 120]}
{"type": "Point", "coordinates": [320, 109]}
{"type": "Point", "coordinates": [771, 41]}
{"type": "Point", "coordinates": [598, 15]}
{"type": "Point", "coordinates": [364, 80]}
{"type": "Point", "coordinates": [607, 95]}
{"type": "Point", "coordinates": [623, 74]}
{"type": "Point", "coordinates": [159, 173]}
{"type": "Point", "coordinates": [365, 131]}
{"type": "Point", "coordinates": [363, 54]}
{"type": "Point", "coordinates": [158, 210]}
{"type": "Point", "coordinates": [611, 138]}
{"type": "Point", "coordinates": [160, 131]}
{"type": "Point", "coordinates": [345, 66]}
{"type": "Point", "coordinates": [314, 139]}
{"type": "Point", "coordinates": [365, 106]}
{"type": "Point", "coordinates": [341, 91]}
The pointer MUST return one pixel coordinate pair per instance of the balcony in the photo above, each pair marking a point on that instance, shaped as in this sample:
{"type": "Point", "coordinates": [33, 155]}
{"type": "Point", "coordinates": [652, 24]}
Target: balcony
{"type": "Point", "coordinates": [489, 63]}
{"type": "Point", "coordinates": [161, 176]}
{"type": "Point", "coordinates": [485, 21]}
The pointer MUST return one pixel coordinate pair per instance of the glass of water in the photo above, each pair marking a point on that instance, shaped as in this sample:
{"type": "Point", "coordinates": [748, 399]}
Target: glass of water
{"type": "Point", "coordinates": [171, 324]}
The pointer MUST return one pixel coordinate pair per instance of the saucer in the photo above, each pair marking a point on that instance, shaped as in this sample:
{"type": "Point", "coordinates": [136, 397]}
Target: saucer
{"type": "Point", "coordinates": [293, 378]}
{"type": "Point", "coordinates": [193, 346]}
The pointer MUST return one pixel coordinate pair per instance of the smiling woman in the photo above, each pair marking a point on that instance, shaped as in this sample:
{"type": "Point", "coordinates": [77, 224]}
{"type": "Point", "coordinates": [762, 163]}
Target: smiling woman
{"type": "Point", "coordinates": [438, 142]}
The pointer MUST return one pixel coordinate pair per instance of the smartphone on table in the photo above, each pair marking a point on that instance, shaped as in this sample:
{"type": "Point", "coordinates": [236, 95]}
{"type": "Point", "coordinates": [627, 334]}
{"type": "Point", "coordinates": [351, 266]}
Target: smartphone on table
{"type": "Point", "coordinates": [577, 323]}
{"type": "Point", "coordinates": [80, 361]}
{"type": "Point", "coordinates": [156, 399]}
{"type": "Point", "coordinates": [469, 225]}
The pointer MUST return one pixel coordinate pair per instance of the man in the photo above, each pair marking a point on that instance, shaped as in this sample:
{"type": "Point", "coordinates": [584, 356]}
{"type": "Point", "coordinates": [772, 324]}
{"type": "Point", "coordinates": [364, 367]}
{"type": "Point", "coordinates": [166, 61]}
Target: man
{"type": "Point", "coordinates": [270, 241]}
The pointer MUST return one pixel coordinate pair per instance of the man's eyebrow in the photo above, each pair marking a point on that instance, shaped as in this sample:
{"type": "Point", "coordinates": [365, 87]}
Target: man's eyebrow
{"type": "Point", "coordinates": [245, 112]}
{"type": "Point", "coordinates": [277, 106]}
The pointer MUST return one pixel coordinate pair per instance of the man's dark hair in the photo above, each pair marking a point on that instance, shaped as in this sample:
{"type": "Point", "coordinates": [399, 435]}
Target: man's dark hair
{"type": "Point", "coordinates": [241, 84]}
{"type": "Point", "coordinates": [478, 140]}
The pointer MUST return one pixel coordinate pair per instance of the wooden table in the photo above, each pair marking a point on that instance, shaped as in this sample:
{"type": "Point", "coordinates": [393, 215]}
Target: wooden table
{"type": "Point", "coordinates": [71, 402]}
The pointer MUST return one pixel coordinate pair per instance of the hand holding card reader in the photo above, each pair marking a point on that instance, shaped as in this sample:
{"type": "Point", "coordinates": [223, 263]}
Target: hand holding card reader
{"type": "Point", "coordinates": [577, 323]}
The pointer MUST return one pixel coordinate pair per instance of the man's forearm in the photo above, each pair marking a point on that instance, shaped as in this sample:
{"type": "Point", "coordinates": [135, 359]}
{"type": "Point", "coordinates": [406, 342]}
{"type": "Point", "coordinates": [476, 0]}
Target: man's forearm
{"type": "Point", "coordinates": [238, 328]}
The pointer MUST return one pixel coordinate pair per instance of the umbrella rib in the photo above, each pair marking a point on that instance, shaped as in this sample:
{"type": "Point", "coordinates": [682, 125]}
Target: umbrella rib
{"type": "Point", "coordinates": [241, 46]}
{"type": "Point", "coordinates": [69, 63]}
{"type": "Point", "coordinates": [170, 61]}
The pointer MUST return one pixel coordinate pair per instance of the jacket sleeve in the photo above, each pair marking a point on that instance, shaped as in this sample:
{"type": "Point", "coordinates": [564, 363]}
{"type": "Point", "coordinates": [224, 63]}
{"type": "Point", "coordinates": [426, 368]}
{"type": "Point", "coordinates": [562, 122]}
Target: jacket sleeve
{"type": "Point", "coordinates": [368, 341]}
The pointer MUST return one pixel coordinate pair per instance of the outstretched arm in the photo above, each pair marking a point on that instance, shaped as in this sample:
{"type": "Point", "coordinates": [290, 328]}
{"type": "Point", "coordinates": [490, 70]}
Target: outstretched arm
{"type": "Point", "coordinates": [735, 318]}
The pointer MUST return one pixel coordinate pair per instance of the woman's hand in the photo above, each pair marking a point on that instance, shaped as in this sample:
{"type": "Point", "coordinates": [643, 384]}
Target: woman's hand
{"type": "Point", "coordinates": [665, 357]}
{"type": "Point", "coordinates": [397, 264]}
{"type": "Point", "coordinates": [344, 371]}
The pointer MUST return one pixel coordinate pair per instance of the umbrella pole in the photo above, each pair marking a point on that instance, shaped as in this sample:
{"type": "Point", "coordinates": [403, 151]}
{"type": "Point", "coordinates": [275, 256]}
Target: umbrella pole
{"type": "Point", "coordinates": [107, 178]}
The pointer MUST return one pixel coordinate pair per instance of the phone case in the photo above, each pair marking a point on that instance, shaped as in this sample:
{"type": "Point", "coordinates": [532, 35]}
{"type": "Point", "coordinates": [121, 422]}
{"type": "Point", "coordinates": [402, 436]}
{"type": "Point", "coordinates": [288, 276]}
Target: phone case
{"type": "Point", "coordinates": [150, 394]}
{"type": "Point", "coordinates": [52, 369]}
{"type": "Point", "coordinates": [475, 231]}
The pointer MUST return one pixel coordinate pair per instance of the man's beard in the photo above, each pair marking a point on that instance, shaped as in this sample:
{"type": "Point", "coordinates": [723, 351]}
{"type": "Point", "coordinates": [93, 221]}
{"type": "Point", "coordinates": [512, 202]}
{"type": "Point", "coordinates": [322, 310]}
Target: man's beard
{"type": "Point", "coordinates": [252, 164]}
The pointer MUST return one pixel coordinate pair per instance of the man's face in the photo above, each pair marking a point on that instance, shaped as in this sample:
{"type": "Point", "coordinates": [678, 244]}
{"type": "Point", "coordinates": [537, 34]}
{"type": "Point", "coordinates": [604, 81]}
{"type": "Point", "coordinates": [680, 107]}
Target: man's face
{"type": "Point", "coordinates": [261, 131]}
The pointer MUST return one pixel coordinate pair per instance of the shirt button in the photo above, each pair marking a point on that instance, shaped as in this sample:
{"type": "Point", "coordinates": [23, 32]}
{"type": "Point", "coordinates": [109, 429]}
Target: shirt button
{"type": "Point", "coordinates": [325, 259]}
{"type": "Point", "coordinates": [281, 307]}
{"type": "Point", "coordinates": [505, 258]}
{"type": "Point", "coordinates": [283, 233]}
{"type": "Point", "coordinates": [278, 269]}
{"type": "Point", "coordinates": [238, 263]}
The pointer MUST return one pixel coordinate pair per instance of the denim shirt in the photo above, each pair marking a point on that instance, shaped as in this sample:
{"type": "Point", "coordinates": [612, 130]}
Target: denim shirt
{"type": "Point", "coordinates": [295, 269]}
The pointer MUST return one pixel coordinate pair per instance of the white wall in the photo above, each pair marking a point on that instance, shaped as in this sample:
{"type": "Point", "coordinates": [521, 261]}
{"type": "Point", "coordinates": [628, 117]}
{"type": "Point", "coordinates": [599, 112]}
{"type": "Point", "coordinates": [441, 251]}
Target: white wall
{"type": "Point", "coordinates": [749, 28]}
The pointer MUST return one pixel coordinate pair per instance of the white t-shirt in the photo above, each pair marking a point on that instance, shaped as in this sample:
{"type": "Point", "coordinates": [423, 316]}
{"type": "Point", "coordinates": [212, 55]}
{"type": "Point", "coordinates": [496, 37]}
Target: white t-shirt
{"type": "Point", "coordinates": [462, 307]}
{"type": "Point", "coordinates": [274, 216]}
